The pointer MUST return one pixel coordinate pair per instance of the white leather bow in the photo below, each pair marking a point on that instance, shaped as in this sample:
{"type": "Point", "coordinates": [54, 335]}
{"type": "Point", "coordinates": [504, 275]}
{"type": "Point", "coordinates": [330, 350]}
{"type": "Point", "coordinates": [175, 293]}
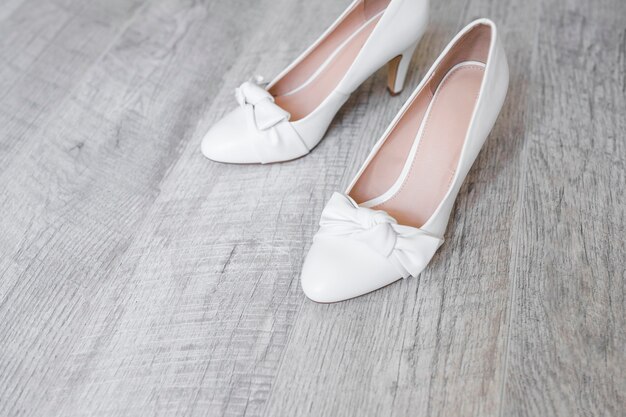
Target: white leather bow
{"type": "Point", "coordinates": [409, 249]}
{"type": "Point", "coordinates": [273, 137]}
{"type": "Point", "coordinates": [261, 110]}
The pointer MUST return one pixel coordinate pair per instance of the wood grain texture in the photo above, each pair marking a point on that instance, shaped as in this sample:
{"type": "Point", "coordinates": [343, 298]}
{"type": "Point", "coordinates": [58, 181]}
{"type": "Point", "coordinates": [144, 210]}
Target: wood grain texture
{"type": "Point", "coordinates": [46, 49]}
{"type": "Point", "coordinates": [567, 348]}
{"type": "Point", "coordinates": [138, 278]}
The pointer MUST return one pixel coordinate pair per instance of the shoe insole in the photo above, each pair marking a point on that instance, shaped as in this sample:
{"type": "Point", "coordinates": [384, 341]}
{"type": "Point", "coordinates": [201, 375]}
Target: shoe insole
{"type": "Point", "coordinates": [307, 96]}
{"type": "Point", "coordinates": [435, 148]}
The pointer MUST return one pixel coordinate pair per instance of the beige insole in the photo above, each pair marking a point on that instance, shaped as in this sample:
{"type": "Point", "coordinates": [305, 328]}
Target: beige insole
{"type": "Point", "coordinates": [436, 157]}
{"type": "Point", "coordinates": [312, 92]}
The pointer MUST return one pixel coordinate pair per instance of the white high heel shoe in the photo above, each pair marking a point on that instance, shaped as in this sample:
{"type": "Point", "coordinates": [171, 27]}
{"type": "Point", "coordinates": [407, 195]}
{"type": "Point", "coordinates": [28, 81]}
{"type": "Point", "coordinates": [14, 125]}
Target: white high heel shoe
{"type": "Point", "coordinates": [392, 219]}
{"type": "Point", "coordinates": [286, 119]}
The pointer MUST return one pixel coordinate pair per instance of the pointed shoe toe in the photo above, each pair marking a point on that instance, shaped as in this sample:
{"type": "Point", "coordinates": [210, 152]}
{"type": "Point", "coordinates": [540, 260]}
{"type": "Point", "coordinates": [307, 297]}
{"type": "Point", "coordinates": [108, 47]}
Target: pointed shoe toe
{"type": "Point", "coordinates": [338, 269]}
{"type": "Point", "coordinates": [228, 141]}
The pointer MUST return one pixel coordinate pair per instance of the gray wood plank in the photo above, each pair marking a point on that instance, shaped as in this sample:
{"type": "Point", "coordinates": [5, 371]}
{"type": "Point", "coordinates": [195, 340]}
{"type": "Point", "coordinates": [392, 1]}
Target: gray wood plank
{"type": "Point", "coordinates": [199, 308]}
{"type": "Point", "coordinates": [73, 197]}
{"type": "Point", "coordinates": [46, 48]}
{"type": "Point", "coordinates": [567, 347]}
{"type": "Point", "coordinates": [8, 7]}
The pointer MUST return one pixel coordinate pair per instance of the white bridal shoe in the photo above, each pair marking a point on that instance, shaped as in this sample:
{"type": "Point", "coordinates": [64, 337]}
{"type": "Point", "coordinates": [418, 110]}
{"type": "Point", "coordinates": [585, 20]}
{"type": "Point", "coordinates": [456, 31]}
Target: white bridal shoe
{"type": "Point", "coordinates": [286, 119]}
{"type": "Point", "coordinates": [391, 220]}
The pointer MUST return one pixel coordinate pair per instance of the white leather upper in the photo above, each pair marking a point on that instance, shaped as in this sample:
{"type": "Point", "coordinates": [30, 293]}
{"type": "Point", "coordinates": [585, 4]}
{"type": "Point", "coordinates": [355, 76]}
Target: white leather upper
{"type": "Point", "coordinates": [401, 26]}
{"type": "Point", "coordinates": [262, 112]}
{"type": "Point", "coordinates": [488, 104]}
{"type": "Point", "coordinates": [358, 250]}
{"type": "Point", "coordinates": [408, 249]}
{"type": "Point", "coordinates": [270, 134]}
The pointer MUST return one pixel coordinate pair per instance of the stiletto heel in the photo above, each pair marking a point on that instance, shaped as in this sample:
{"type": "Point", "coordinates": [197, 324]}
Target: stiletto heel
{"type": "Point", "coordinates": [286, 118]}
{"type": "Point", "coordinates": [397, 69]}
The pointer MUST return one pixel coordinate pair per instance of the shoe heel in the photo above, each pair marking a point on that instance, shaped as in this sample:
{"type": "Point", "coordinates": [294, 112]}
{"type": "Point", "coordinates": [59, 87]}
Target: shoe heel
{"type": "Point", "coordinates": [397, 69]}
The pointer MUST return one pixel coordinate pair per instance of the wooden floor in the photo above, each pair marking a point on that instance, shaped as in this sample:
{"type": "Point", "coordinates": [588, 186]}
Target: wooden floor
{"type": "Point", "coordinates": [140, 279]}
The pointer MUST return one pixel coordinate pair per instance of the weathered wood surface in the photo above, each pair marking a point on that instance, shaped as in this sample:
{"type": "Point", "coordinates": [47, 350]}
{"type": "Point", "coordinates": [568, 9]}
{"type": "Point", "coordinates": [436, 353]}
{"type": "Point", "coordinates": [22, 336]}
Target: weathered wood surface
{"type": "Point", "coordinates": [138, 278]}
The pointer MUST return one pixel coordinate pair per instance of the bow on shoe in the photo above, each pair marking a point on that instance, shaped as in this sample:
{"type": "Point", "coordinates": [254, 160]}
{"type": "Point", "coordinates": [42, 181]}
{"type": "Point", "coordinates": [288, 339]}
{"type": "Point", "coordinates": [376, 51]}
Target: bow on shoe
{"type": "Point", "coordinates": [271, 136]}
{"type": "Point", "coordinates": [259, 105]}
{"type": "Point", "coordinates": [409, 249]}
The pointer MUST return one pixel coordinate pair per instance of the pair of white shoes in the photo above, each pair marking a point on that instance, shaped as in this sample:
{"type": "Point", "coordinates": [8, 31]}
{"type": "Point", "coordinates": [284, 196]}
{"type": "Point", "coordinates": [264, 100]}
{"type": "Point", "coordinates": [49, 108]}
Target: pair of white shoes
{"type": "Point", "coordinates": [392, 218]}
